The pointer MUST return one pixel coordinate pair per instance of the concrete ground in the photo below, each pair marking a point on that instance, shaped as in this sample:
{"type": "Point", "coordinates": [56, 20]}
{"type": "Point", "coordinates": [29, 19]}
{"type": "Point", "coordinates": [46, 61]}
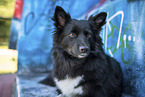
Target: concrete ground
{"type": "Point", "coordinates": [29, 86]}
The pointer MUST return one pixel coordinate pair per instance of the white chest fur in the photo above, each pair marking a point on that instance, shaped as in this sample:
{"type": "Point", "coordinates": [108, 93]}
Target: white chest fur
{"type": "Point", "coordinates": [67, 86]}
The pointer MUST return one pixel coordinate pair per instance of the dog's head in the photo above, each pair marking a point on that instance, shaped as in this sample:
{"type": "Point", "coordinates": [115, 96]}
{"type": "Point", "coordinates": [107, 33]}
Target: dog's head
{"type": "Point", "coordinates": [77, 37]}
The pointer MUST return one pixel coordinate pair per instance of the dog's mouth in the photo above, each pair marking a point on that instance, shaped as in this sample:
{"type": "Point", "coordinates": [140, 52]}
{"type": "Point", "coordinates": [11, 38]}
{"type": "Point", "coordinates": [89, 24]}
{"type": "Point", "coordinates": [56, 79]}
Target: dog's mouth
{"type": "Point", "coordinates": [82, 55]}
{"type": "Point", "coordinates": [78, 54]}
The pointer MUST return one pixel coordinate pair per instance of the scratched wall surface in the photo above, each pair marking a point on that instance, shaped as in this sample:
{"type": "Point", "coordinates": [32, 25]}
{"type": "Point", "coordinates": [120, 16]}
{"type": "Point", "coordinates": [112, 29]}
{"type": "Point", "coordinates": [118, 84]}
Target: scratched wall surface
{"type": "Point", "coordinates": [124, 39]}
{"type": "Point", "coordinates": [123, 36]}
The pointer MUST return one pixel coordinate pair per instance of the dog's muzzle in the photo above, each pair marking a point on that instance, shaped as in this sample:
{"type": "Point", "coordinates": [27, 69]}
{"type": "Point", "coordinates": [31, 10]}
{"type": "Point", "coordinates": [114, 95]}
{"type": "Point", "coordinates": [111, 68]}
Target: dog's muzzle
{"type": "Point", "coordinates": [84, 51]}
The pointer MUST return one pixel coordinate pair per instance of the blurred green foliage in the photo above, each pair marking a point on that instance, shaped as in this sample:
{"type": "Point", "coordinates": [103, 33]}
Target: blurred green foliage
{"type": "Point", "coordinates": [6, 13]}
{"type": "Point", "coordinates": [4, 30]}
{"type": "Point", "coordinates": [7, 8]}
{"type": "Point", "coordinates": [3, 2]}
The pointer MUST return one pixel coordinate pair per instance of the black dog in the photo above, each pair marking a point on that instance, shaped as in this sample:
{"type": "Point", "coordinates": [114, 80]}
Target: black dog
{"type": "Point", "coordinates": [81, 68]}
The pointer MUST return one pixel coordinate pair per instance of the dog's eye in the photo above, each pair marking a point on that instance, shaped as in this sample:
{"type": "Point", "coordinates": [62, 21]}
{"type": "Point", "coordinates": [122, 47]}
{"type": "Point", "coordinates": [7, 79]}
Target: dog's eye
{"type": "Point", "coordinates": [89, 35]}
{"type": "Point", "coordinates": [72, 35]}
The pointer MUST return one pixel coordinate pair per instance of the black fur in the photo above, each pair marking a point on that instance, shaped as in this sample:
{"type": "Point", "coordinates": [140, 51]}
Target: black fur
{"type": "Point", "coordinates": [102, 74]}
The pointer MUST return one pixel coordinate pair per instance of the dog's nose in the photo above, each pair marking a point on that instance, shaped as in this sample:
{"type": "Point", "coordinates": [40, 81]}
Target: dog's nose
{"type": "Point", "coordinates": [83, 49]}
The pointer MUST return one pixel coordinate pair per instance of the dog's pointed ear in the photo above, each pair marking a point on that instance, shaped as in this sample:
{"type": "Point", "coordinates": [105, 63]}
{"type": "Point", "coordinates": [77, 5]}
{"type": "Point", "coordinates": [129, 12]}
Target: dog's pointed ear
{"type": "Point", "coordinates": [99, 19]}
{"type": "Point", "coordinates": [61, 18]}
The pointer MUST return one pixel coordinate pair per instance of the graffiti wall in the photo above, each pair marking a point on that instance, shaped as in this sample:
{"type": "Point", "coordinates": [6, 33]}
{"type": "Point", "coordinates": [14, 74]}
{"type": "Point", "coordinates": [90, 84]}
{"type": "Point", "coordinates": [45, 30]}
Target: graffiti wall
{"type": "Point", "coordinates": [124, 39]}
{"type": "Point", "coordinates": [123, 36]}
